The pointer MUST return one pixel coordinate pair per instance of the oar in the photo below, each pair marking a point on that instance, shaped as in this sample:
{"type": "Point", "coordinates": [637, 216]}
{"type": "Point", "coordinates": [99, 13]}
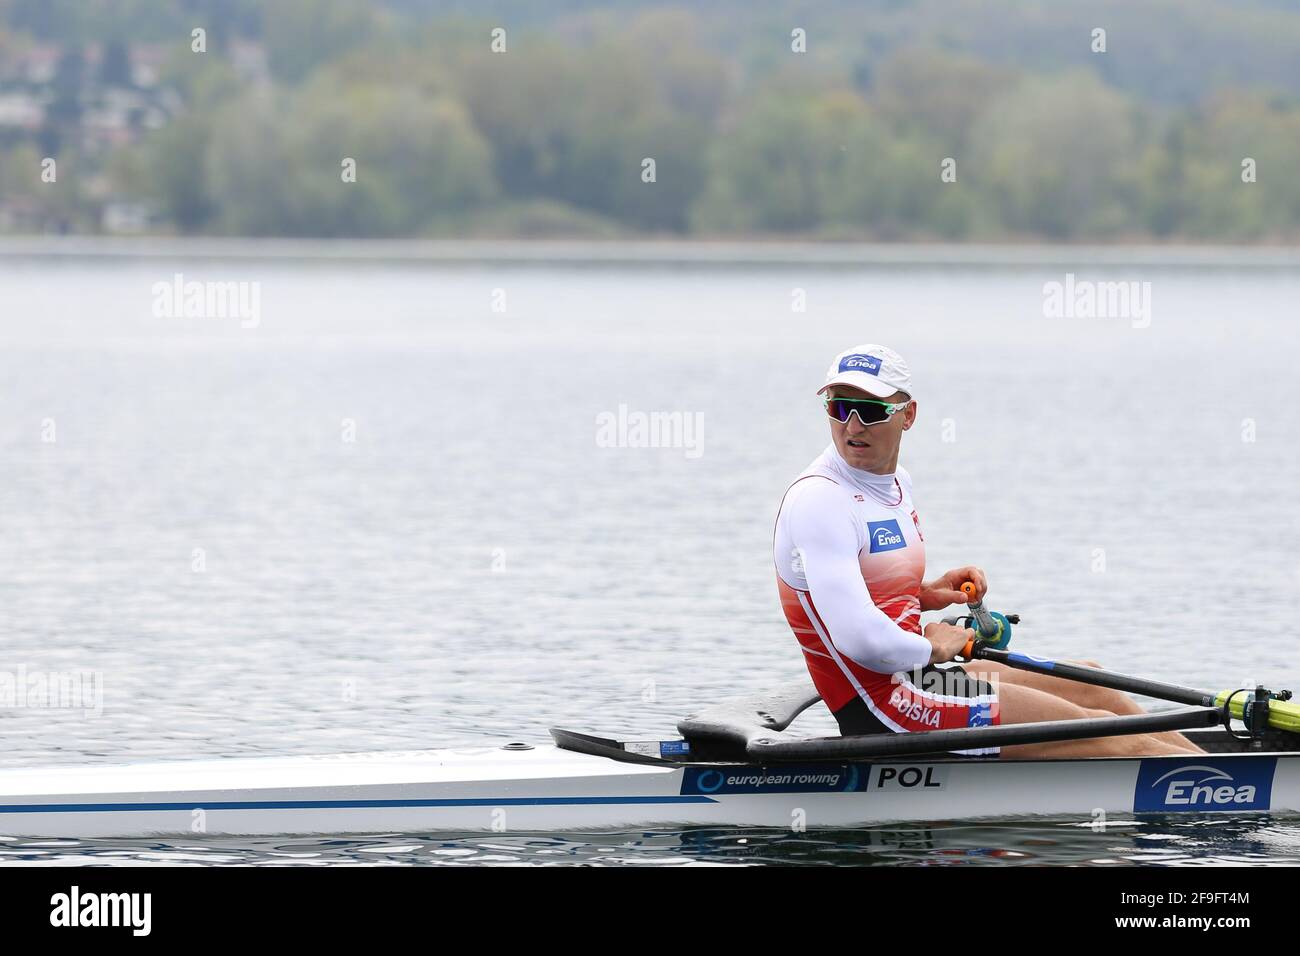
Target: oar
{"type": "Point", "coordinates": [959, 738]}
{"type": "Point", "coordinates": [1282, 714]}
{"type": "Point", "coordinates": [993, 633]}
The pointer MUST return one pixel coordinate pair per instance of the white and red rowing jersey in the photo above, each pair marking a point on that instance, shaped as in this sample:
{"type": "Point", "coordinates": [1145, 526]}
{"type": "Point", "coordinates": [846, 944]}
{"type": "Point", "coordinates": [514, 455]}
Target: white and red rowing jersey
{"type": "Point", "coordinates": [850, 558]}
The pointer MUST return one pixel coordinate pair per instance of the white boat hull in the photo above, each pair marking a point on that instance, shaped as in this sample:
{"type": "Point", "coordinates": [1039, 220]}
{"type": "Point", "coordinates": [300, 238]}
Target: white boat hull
{"type": "Point", "coordinates": [550, 789]}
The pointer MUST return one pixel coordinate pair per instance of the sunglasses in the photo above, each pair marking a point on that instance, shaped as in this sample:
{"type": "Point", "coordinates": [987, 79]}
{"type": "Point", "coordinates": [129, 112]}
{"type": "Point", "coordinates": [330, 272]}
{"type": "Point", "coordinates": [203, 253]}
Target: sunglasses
{"type": "Point", "coordinates": [868, 410]}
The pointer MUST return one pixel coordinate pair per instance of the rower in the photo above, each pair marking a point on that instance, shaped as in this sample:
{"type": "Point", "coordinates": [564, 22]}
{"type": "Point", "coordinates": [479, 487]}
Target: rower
{"type": "Point", "coordinates": [850, 565]}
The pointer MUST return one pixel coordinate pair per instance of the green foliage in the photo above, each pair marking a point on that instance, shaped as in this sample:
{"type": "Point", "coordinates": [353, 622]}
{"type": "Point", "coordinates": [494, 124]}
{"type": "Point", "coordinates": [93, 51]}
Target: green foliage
{"type": "Point", "coordinates": [1239, 127]}
{"type": "Point", "coordinates": [56, 206]}
{"type": "Point", "coordinates": [1050, 139]}
{"type": "Point", "coordinates": [301, 35]}
{"type": "Point", "coordinates": [525, 219]}
{"type": "Point", "coordinates": [765, 173]}
{"type": "Point", "coordinates": [824, 163]}
{"type": "Point", "coordinates": [577, 129]}
{"type": "Point", "coordinates": [1057, 156]}
{"type": "Point", "coordinates": [175, 174]}
{"type": "Point", "coordinates": [937, 93]}
{"type": "Point", "coordinates": [204, 81]}
{"type": "Point", "coordinates": [276, 162]}
{"type": "Point", "coordinates": [20, 173]}
{"type": "Point", "coordinates": [115, 68]}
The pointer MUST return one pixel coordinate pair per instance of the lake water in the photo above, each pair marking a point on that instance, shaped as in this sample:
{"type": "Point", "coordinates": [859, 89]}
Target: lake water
{"type": "Point", "coordinates": [382, 516]}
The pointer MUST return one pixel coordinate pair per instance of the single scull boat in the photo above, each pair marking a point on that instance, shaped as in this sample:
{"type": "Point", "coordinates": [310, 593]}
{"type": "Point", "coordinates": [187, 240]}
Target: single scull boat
{"type": "Point", "coordinates": [734, 766]}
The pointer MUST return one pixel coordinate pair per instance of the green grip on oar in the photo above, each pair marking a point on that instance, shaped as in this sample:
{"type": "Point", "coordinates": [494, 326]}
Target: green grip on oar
{"type": "Point", "coordinates": [1002, 637]}
{"type": "Point", "coordinates": [1282, 714]}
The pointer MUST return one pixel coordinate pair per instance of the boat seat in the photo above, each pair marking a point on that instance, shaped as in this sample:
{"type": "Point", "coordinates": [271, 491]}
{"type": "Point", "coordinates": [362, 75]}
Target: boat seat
{"type": "Point", "coordinates": [737, 721]}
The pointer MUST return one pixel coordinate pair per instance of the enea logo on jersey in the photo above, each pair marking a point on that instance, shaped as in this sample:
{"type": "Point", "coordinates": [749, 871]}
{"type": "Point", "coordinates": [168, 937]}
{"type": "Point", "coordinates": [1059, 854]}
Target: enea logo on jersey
{"type": "Point", "coordinates": [860, 363]}
{"type": "Point", "coordinates": [1195, 786]}
{"type": "Point", "coordinates": [817, 778]}
{"type": "Point", "coordinates": [885, 536]}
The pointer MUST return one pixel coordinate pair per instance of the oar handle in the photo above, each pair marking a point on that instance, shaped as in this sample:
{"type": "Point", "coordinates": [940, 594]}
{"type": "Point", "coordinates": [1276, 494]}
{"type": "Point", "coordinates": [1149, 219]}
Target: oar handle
{"type": "Point", "coordinates": [990, 627]}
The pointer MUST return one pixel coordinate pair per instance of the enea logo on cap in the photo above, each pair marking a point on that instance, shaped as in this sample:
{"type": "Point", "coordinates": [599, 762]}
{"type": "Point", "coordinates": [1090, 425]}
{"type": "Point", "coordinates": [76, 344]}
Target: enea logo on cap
{"type": "Point", "coordinates": [861, 363]}
{"type": "Point", "coordinates": [1244, 784]}
{"type": "Point", "coordinates": [885, 536]}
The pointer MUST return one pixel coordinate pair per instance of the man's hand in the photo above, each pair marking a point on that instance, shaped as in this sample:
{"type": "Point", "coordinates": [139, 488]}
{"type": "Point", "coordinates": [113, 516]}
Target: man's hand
{"type": "Point", "coordinates": [946, 640]}
{"type": "Point", "coordinates": [946, 589]}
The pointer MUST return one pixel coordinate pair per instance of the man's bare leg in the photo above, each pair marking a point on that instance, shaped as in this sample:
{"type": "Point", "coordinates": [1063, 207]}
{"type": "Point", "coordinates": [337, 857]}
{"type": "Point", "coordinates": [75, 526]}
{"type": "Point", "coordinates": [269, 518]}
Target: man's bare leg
{"type": "Point", "coordinates": [1022, 705]}
{"type": "Point", "coordinates": [1086, 696]}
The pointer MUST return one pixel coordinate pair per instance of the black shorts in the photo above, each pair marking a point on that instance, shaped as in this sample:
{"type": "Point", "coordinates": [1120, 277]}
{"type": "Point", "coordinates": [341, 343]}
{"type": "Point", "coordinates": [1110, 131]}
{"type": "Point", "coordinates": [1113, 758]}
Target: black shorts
{"type": "Point", "coordinates": [950, 680]}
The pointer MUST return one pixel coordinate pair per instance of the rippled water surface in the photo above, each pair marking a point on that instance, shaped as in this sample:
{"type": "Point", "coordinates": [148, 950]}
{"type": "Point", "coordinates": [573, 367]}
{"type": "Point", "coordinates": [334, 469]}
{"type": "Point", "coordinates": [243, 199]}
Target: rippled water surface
{"type": "Point", "coordinates": [1203, 841]}
{"type": "Point", "coordinates": [381, 519]}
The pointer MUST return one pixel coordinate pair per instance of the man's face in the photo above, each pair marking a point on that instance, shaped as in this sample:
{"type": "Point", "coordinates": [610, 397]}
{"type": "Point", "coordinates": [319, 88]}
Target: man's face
{"type": "Point", "coordinates": [872, 448]}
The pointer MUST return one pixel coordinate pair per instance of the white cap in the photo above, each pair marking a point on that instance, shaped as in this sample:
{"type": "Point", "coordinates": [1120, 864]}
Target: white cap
{"type": "Point", "coordinates": [876, 369]}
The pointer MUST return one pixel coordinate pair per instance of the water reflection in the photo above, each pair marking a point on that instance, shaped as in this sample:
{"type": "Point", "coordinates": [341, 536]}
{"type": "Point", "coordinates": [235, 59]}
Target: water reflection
{"type": "Point", "coordinates": [1158, 841]}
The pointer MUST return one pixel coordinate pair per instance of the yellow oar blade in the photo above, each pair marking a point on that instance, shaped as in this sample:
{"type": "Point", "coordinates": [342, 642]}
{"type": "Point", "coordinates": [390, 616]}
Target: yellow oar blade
{"type": "Point", "coordinates": [1282, 714]}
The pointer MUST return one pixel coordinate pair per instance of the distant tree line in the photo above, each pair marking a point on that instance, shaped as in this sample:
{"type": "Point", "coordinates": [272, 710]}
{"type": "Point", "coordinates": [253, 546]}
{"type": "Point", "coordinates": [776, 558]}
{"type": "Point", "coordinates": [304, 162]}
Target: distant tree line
{"type": "Point", "coordinates": [550, 135]}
